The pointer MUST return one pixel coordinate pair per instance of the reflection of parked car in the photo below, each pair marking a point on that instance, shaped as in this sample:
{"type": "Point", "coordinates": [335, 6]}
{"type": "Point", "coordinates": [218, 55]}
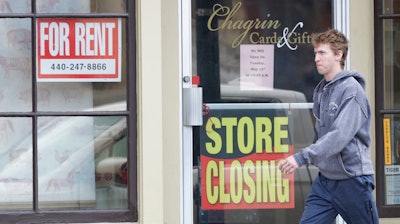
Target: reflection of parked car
{"type": "Point", "coordinates": [81, 163]}
{"type": "Point", "coordinates": [296, 102]}
{"type": "Point", "coordinates": [284, 103]}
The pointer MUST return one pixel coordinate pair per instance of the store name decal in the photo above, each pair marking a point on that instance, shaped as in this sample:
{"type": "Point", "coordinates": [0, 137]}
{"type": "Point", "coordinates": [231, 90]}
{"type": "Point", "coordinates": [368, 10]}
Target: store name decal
{"type": "Point", "coordinates": [290, 37]}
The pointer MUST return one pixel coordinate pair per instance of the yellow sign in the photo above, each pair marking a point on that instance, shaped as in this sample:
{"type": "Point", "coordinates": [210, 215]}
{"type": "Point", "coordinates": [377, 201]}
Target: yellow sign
{"type": "Point", "coordinates": [387, 141]}
{"type": "Point", "coordinates": [240, 154]}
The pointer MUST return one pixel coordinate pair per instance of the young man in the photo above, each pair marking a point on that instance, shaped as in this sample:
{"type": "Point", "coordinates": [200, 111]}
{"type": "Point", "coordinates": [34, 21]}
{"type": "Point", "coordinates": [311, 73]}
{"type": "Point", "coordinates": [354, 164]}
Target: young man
{"type": "Point", "coordinates": [345, 182]}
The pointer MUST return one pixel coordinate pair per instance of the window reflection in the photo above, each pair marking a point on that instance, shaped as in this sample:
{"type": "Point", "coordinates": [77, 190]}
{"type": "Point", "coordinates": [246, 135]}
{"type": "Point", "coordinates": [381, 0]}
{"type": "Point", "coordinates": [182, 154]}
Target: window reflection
{"type": "Point", "coordinates": [391, 6]}
{"type": "Point", "coordinates": [59, 6]}
{"type": "Point", "coordinates": [81, 6]}
{"type": "Point", "coordinates": [391, 64]}
{"type": "Point", "coordinates": [108, 6]}
{"type": "Point", "coordinates": [218, 38]}
{"type": "Point", "coordinates": [15, 65]}
{"type": "Point", "coordinates": [82, 162]}
{"type": "Point", "coordinates": [278, 49]}
{"type": "Point", "coordinates": [15, 6]}
{"type": "Point", "coordinates": [16, 164]}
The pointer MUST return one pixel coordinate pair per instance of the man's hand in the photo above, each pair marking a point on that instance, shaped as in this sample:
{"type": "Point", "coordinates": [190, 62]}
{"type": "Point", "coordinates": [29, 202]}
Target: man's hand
{"type": "Point", "coordinates": [289, 165]}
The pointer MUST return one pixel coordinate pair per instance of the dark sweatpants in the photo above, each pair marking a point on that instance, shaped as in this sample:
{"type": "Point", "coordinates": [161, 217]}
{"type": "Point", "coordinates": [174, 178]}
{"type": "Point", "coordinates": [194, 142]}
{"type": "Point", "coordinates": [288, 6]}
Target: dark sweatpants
{"type": "Point", "coordinates": [351, 198]}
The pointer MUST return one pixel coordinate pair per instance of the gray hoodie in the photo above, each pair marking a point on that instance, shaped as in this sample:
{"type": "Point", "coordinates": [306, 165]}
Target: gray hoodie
{"type": "Point", "coordinates": [343, 117]}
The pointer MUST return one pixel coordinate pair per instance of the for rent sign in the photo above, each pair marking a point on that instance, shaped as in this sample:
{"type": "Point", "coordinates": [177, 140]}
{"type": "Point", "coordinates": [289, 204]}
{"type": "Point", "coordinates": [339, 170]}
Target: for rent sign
{"type": "Point", "coordinates": [78, 49]}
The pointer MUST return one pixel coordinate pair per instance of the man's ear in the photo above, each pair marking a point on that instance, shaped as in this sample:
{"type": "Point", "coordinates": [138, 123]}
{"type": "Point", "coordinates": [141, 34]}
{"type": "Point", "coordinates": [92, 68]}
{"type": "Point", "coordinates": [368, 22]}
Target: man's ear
{"type": "Point", "coordinates": [339, 55]}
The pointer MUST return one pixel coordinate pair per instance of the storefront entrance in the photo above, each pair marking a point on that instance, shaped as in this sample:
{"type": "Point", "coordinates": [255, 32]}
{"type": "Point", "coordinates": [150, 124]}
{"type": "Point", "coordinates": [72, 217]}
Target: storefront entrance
{"type": "Point", "coordinates": [256, 67]}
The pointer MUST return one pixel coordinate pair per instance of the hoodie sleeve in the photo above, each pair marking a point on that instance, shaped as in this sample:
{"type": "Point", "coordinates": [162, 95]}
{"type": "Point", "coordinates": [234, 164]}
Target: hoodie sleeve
{"type": "Point", "coordinates": [349, 120]}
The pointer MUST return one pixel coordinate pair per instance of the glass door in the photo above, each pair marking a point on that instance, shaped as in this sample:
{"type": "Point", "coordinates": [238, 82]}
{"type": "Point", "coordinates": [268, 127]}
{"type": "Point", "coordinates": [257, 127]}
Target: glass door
{"type": "Point", "coordinates": [256, 67]}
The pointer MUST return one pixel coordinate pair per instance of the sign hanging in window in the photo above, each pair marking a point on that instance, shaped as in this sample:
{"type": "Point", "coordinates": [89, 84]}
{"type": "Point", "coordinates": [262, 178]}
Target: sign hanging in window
{"type": "Point", "coordinates": [78, 50]}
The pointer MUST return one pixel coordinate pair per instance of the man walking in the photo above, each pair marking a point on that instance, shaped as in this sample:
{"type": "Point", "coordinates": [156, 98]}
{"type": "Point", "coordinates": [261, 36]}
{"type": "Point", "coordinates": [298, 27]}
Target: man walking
{"type": "Point", "coordinates": [345, 182]}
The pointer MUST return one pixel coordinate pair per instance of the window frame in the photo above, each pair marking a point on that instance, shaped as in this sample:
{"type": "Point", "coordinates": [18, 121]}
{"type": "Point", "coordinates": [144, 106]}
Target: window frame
{"type": "Point", "coordinates": [70, 216]}
{"type": "Point", "coordinates": [385, 211]}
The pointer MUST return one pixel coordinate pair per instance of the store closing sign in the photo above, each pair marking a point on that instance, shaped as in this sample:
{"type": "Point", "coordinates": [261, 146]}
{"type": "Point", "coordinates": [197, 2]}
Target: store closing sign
{"type": "Point", "coordinates": [78, 50]}
{"type": "Point", "coordinates": [240, 151]}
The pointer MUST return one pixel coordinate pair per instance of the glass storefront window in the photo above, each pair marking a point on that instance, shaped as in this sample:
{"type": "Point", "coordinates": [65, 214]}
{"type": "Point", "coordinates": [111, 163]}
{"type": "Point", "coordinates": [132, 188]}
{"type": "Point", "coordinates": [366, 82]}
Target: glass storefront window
{"type": "Point", "coordinates": [387, 76]}
{"type": "Point", "coordinates": [15, 65]}
{"type": "Point", "coordinates": [82, 163]}
{"type": "Point", "coordinates": [256, 66]}
{"type": "Point", "coordinates": [15, 155]}
{"type": "Point", "coordinates": [81, 6]}
{"type": "Point", "coordinates": [219, 39]}
{"type": "Point", "coordinates": [57, 6]}
{"type": "Point", "coordinates": [76, 96]}
{"type": "Point", "coordinates": [391, 65]}
{"type": "Point", "coordinates": [70, 151]}
{"type": "Point", "coordinates": [391, 6]}
{"type": "Point", "coordinates": [108, 6]}
{"type": "Point", "coordinates": [391, 134]}
{"type": "Point", "coordinates": [65, 144]}
{"type": "Point", "coordinates": [17, 6]}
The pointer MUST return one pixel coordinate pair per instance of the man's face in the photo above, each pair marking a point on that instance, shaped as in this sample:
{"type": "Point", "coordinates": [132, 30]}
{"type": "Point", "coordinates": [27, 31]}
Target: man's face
{"type": "Point", "coordinates": [326, 60]}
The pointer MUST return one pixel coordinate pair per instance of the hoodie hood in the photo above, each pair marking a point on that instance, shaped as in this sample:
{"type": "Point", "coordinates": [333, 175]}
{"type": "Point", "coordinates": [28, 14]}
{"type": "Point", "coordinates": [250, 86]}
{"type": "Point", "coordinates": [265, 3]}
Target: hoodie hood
{"type": "Point", "coordinates": [341, 75]}
{"type": "Point", "coordinates": [356, 75]}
